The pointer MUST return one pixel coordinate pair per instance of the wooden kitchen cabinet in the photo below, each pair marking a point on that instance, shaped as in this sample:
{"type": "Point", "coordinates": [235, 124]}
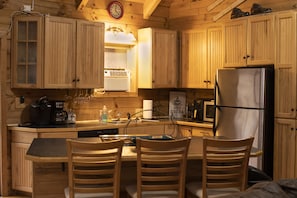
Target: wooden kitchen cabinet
{"type": "Point", "coordinates": [285, 65]}
{"type": "Point", "coordinates": [74, 53]}
{"type": "Point", "coordinates": [285, 132]}
{"type": "Point", "coordinates": [202, 55]}
{"type": "Point", "coordinates": [285, 149]}
{"type": "Point", "coordinates": [188, 131]}
{"type": "Point", "coordinates": [249, 41]}
{"type": "Point", "coordinates": [57, 52]}
{"type": "Point", "coordinates": [21, 168]}
{"type": "Point", "coordinates": [157, 58]}
{"type": "Point", "coordinates": [149, 130]}
{"type": "Point", "coordinates": [27, 52]}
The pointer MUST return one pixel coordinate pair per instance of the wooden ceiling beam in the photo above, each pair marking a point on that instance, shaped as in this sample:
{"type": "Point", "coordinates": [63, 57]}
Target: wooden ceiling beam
{"type": "Point", "coordinates": [149, 7]}
{"type": "Point", "coordinates": [82, 4]}
{"type": "Point", "coordinates": [227, 9]}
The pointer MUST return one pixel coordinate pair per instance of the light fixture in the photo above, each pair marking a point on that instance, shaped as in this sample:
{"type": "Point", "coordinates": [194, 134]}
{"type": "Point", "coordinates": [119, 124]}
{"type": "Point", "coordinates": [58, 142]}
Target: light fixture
{"type": "Point", "coordinates": [117, 35]}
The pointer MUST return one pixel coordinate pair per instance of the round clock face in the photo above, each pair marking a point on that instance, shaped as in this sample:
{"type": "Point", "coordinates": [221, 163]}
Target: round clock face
{"type": "Point", "coordinates": [115, 9]}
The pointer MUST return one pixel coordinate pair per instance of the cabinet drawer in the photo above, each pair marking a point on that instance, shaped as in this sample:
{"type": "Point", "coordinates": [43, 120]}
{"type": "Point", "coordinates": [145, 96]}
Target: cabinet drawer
{"type": "Point", "coordinates": [23, 137]}
{"type": "Point", "coordinates": [201, 132]}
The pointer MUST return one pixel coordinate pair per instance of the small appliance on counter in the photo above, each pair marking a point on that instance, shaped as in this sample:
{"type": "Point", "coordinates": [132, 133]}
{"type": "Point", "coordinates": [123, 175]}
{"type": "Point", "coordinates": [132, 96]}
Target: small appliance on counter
{"type": "Point", "coordinates": [195, 110]}
{"type": "Point", "coordinates": [58, 114]}
{"type": "Point", "coordinates": [40, 111]}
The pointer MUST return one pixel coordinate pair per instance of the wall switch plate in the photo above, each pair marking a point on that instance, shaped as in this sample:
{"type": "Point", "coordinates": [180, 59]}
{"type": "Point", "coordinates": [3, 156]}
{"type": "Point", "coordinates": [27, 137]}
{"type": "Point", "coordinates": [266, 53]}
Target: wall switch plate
{"type": "Point", "coordinates": [19, 102]}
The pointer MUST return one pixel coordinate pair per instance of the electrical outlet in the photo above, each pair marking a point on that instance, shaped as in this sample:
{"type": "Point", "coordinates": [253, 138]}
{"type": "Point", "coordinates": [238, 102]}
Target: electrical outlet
{"type": "Point", "coordinates": [19, 104]}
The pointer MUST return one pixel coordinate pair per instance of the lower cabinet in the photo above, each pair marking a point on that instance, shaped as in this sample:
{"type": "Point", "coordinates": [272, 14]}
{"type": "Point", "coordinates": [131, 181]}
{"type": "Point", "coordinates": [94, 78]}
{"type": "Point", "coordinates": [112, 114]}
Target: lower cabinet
{"type": "Point", "coordinates": [21, 168]}
{"type": "Point", "coordinates": [187, 131]}
{"type": "Point", "coordinates": [285, 149]}
{"type": "Point", "coordinates": [151, 130]}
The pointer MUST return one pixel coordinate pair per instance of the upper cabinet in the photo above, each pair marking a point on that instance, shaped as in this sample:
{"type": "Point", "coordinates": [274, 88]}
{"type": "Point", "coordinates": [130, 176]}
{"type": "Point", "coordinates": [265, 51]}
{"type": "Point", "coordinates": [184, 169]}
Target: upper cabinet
{"type": "Point", "coordinates": [202, 55]}
{"type": "Point", "coordinates": [27, 54]}
{"type": "Point", "coordinates": [157, 58]}
{"type": "Point", "coordinates": [70, 53]}
{"type": "Point", "coordinates": [249, 41]}
{"type": "Point", "coordinates": [285, 65]}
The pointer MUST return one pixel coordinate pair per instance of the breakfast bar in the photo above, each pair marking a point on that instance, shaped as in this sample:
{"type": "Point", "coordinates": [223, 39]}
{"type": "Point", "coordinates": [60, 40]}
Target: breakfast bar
{"type": "Point", "coordinates": [49, 157]}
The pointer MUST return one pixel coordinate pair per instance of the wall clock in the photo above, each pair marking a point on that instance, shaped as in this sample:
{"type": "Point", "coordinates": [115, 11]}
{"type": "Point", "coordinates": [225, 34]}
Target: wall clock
{"type": "Point", "coordinates": [115, 9]}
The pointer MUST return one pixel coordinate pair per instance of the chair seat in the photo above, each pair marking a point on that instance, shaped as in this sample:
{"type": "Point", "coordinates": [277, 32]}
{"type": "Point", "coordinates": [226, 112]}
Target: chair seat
{"type": "Point", "coordinates": [132, 191]}
{"type": "Point", "coordinates": [88, 195]}
{"type": "Point", "coordinates": [196, 189]}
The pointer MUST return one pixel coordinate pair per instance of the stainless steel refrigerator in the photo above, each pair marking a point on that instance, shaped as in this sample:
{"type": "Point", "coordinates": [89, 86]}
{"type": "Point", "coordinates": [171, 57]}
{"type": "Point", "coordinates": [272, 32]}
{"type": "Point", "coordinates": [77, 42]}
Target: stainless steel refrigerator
{"type": "Point", "coordinates": [244, 102]}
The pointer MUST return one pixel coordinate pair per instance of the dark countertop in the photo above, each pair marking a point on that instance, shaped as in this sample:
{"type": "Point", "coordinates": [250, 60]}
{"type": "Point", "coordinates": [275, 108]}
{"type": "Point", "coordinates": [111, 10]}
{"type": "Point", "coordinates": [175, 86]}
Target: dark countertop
{"type": "Point", "coordinates": [54, 150]}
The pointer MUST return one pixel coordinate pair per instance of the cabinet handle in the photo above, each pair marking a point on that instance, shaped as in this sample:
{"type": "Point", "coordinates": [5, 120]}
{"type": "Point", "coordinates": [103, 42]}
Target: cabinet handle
{"type": "Point", "coordinates": [73, 80]}
{"type": "Point", "coordinates": [293, 109]}
{"type": "Point", "coordinates": [246, 57]}
{"type": "Point", "coordinates": [77, 80]}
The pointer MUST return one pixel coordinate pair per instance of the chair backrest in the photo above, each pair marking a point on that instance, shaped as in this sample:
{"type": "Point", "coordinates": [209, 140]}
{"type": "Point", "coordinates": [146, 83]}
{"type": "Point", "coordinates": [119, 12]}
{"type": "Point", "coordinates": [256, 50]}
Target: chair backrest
{"type": "Point", "coordinates": [161, 165]}
{"type": "Point", "coordinates": [225, 163]}
{"type": "Point", "coordinates": [94, 167]}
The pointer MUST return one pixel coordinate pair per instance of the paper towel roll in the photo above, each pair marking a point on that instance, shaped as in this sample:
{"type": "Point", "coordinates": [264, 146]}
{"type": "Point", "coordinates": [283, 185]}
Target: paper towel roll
{"type": "Point", "coordinates": [147, 109]}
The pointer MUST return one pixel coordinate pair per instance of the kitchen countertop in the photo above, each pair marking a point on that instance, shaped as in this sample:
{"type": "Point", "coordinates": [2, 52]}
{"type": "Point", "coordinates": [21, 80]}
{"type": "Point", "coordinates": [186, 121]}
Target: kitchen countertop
{"type": "Point", "coordinates": [54, 150]}
{"type": "Point", "coordinates": [95, 125]}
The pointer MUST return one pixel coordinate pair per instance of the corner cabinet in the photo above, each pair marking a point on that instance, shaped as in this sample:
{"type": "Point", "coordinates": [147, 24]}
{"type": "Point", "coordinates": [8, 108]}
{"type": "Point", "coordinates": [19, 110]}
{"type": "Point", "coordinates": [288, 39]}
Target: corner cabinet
{"type": "Point", "coordinates": [249, 41]}
{"type": "Point", "coordinates": [157, 58]}
{"type": "Point", "coordinates": [27, 52]}
{"type": "Point", "coordinates": [57, 52]}
{"type": "Point", "coordinates": [202, 55]}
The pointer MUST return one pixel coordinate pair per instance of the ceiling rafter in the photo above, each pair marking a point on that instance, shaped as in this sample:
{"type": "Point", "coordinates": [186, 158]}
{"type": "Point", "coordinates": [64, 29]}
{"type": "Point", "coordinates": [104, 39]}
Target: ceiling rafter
{"type": "Point", "coordinates": [149, 7]}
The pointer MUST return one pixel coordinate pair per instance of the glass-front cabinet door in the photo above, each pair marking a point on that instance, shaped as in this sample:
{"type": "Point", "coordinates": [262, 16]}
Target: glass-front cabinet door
{"type": "Point", "coordinates": [26, 52]}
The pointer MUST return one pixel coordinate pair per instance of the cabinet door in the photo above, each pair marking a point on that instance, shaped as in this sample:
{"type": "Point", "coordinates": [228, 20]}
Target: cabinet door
{"type": "Point", "coordinates": [185, 131]}
{"type": "Point", "coordinates": [90, 55]}
{"type": "Point", "coordinates": [215, 54]}
{"type": "Point", "coordinates": [157, 58]}
{"type": "Point", "coordinates": [198, 131]}
{"type": "Point", "coordinates": [21, 168]}
{"type": "Point", "coordinates": [60, 52]}
{"type": "Point", "coordinates": [144, 130]}
{"type": "Point", "coordinates": [285, 65]}
{"type": "Point", "coordinates": [194, 59]}
{"type": "Point", "coordinates": [285, 139]}
{"type": "Point", "coordinates": [260, 40]}
{"type": "Point", "coordinates": [164, 59]}
{"type": "Point", "coordinates": [235, 43]}
{"type": "Point", "coordinates": [27, 51]}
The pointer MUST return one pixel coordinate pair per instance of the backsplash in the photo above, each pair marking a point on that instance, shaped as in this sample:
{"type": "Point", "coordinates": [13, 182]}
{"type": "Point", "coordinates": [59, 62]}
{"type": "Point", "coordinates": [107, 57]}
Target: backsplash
{"type": "Point", "coordinates": [87, 107]}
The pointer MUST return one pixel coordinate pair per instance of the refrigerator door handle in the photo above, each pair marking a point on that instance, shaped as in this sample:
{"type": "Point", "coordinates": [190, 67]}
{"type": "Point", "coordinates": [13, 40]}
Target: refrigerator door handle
{"type": "Point", "coordinates": [216, 88]}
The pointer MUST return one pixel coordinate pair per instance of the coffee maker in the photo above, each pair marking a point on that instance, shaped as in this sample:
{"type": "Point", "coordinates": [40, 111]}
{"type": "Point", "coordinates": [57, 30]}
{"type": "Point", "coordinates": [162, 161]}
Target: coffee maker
{"type": "Point", "coordinates": [58, 115]}
{"type": "Point", "coordinates": [40, 112]}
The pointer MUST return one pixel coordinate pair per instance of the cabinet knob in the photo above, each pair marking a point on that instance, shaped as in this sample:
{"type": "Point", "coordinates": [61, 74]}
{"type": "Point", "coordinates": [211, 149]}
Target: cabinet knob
{"type": "Point", "coordinates": [73, 80]}
{"type": "Point", "coordinates": [293, 109]}
{"type": "Point", "coordinates": [77, 80]}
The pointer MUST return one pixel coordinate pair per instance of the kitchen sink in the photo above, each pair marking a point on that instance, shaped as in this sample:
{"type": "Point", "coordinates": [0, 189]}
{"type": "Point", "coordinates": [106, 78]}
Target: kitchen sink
{"type": "Point", "coordinates": [130, 140]}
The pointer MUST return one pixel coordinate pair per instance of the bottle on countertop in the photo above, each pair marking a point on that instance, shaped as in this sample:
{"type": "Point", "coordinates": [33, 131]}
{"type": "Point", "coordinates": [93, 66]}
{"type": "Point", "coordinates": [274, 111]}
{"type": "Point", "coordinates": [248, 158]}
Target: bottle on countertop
{"type": "Point", "coordinates": [71, 117]}
{"type": "Point", "coordinates": [104, 116]}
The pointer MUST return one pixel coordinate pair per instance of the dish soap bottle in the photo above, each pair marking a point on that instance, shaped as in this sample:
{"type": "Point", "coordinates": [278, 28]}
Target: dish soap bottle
{"type": "Point", "coordinates": [104, 116]}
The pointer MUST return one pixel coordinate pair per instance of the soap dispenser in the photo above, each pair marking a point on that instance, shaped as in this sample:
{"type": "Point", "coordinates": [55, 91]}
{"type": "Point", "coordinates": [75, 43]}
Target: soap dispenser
{"type": "Point", "coordinates": [104, 116]}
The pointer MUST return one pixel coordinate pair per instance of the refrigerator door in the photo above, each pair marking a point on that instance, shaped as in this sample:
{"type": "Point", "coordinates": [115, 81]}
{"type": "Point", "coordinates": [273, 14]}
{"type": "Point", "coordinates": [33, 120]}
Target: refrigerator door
{"type": "Point", "coordinates": [239, 122]}
{"type": "Point", "coordinates": [242, 87]}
